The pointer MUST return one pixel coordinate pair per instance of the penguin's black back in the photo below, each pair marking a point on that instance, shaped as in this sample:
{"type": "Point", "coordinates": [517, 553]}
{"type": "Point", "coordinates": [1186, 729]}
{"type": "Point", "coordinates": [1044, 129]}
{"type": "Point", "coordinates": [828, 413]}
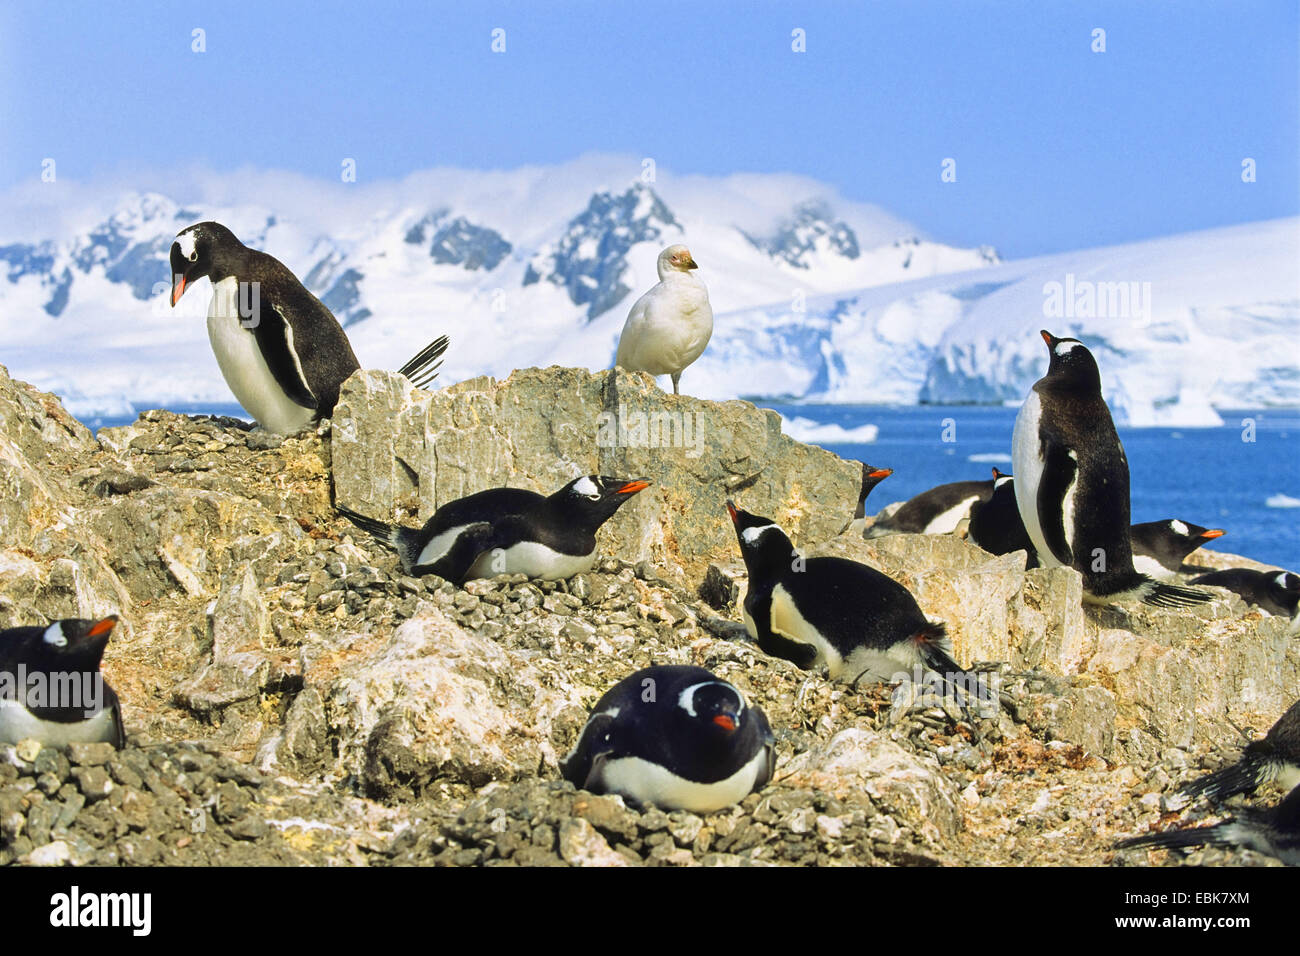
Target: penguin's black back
{"type": "Point", "coordinates": [919, 511]}
{"type": "Point", "coordinates": [996, 525]}
{"type": "Point", "coordinates": [853, 605]}
{"type": "Point", "coordinates": [1260, 588]}
{"type": "Point", "coordinates": [516, 514]}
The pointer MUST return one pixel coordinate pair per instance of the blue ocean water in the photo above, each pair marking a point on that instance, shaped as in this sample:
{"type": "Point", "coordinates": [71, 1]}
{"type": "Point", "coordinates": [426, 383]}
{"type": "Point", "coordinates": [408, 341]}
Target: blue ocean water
{"type": "Point", "coordinates": [1208, 476]}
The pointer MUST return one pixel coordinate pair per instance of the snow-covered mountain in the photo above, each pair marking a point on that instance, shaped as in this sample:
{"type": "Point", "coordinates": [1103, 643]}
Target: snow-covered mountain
{"type": "Point", "coordinates": [815, 297]}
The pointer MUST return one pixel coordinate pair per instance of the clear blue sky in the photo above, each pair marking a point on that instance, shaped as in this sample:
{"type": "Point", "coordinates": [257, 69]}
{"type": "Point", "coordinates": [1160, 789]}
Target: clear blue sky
{"type": "Point", "coordinates": [1057, 147]}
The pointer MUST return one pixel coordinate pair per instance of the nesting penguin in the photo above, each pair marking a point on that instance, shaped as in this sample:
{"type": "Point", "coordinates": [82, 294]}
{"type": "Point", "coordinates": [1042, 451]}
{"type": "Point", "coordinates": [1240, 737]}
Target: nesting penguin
{"type": "Point", "coordinates": [674, 736]}
{"type": "Point", "coordinates": [1277, 592]}
{"type": "Point", "coordinates": [1274, 832]}
{"type": "Point", "coordinates": [668, 327]}
{"type": "Point", "coordinates": [509, 531]}
{"type": "Point", "coordinates": [1273, 759]}
{"type": "Point", "coordinates": [1072, 482]}
{"type": "Point", "coordinates": [51, 688]}
{"type": "Point", "coordinates": [1160, 547]}
{"type": "Point", "coordinates": [852, 619]}
{"type": "Point", "coordinates": [936, 511]}
{"type": "Point", "coordinates": [871, 476]}
{"type": "Point", "coordinates": [280, 350]}
{"type": "Point", "coordinates": [995, 524]}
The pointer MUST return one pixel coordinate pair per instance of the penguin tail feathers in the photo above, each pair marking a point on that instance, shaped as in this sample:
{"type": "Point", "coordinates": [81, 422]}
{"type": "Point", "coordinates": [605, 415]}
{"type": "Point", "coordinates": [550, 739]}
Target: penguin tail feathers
{"type": "Point", "coordinates": [422, 368]}
{"type": "Point", "coordinates": [394, 536]}
{"type": "Point", "coordinates": [1173, 839]}
{"type": "Point", "coordinates": [1172, 595]}
{"type": "Point", "coordinates": [1241, 777]}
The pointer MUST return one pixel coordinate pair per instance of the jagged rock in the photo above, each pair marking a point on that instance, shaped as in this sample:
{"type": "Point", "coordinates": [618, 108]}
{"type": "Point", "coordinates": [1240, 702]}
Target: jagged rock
{"type": "Point", "coordinates": [437, 700]}
{"type": "Point", "coordinates": [393, 446]}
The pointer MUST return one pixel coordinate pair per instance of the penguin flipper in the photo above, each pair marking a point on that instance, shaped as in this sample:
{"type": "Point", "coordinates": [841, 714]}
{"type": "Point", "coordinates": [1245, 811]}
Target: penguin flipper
{"type": "Point", "coordinates": [468, 547]}
{"type": "Point", "coordinates": [582, 767]}
{"type": "Point", "coordinates": [1059, 472]}
{"type": "Point", "coordinates": [274, 337]}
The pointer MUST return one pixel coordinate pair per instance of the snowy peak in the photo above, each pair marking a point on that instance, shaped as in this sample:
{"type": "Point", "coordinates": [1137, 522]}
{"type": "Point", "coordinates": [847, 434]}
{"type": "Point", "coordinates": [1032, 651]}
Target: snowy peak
{"type": "Point", "coordinates": [811, 232]}
{"type": "Point", "coordinates": [590, 260]}
{"type": "Point", "coordinates": [459, 242]}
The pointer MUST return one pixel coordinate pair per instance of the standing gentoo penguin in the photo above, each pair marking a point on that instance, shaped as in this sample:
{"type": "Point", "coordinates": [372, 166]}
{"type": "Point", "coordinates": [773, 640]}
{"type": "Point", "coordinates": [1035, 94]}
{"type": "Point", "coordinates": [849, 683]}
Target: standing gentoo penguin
{"type": "Point", "coordinates": [937, 511]}
{"type": "Point", "coordinates": [509, 531]}
{"type": "Point", "coordinates": [676, 737]}
{"type": "Point", "coordinates": [1274, 759]}
{"type": "Point", "coordinates": [870, 478]}
{"type": "Point", "coordinates": [671, 324]}
{"type": "Point", "coordinates": [995, 524]}
{"type": "Point", "coordinates": [1072, 482]}
{"type": "Point", "coordinates": [1274, 832]}
{"type": "Point", "coordinates": [51, 689]}
{"type": "Point", "coordinates": [281, 351]}
{"type": "Point", "coordinates": [1159, 547]}
{"type": "Point", "coordinates": [1277, 592]}
{"type": "Point", "coordinates": [833, 612]}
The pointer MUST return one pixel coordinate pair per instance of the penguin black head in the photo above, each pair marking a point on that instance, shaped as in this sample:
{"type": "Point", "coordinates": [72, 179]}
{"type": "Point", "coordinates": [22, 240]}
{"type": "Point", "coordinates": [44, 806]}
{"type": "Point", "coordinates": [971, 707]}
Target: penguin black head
{"type": "Point", "coordinates": [714, 709]}
{"type": "Point", "coordinates": [73, 644]}
{"type": "Point", "coordinates": [1071, 364]}
{"type": "Point", "coordinates": [763, 544]}
{"type": "Point", "coordinates": [1194, 532]}
{"type": "Point", "coordinates": [597, 497]}
{"type": "Point", "coordinates": [195, 252]}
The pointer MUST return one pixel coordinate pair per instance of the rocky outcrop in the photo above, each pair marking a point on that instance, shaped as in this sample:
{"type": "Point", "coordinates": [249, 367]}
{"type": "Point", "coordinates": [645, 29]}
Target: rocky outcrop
{"type": "Point", "coordinates": [398, 448]}
{"type": "Point", "coordinates": [292, 697]}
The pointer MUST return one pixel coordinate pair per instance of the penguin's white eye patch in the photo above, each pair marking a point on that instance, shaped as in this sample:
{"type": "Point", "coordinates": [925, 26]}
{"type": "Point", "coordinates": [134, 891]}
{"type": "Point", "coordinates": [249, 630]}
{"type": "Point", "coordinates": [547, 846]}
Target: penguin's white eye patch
{"type": "Point", "coordinates": [686, 699]}
{"type": "Point", "coordinates": [587, 488]}
{"type": "Point", "coordinates": [1178, 527]}
{"type": "Point", "coordinates": [54, 635]}
{"type": "Point", "coordinates": [186, 241]}
{"type": "Point", "coordinates": [1282, 581]}
{"type": "Point", "coordinates": [1064, 348]}
{"type": "Point", "coordinates": [751, 535]}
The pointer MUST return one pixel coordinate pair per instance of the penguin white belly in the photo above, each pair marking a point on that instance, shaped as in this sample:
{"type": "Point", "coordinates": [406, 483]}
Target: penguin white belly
{"type": "Point", "coordinates": [790, 624]}
{"type": "Point", "coordinates": [18, 723]}
{"type": "Point", "coordinates": [1028, 469]}
{"type": "Point", "coordinates": [898, 663]}
{"type": "Point", "coordinates": [1287, 777]}
{"type": "Point", "coordinates": [533, 559]}
{"type": "Point", "coordinates": [946, 522]}
{"type": "Point", "coordinates": [245, 370]}
{"type": "Point", "coordinates": [650, 783]}
{"type": "Point", "coordinates": [1145, 564]}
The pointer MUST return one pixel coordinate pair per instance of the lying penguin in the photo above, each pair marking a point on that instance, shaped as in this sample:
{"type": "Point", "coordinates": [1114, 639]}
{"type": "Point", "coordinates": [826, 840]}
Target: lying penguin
{"type": "Point", "coordinates": [1277, 592]}
{"type": "Point", "coordinates": [676, 737]}
{"type": "Point", "coordinates": [509, 531]}
{"type": "Point", "coordinates": [832, 612]}
{"type": "Point", "coordinates": [51, 689]}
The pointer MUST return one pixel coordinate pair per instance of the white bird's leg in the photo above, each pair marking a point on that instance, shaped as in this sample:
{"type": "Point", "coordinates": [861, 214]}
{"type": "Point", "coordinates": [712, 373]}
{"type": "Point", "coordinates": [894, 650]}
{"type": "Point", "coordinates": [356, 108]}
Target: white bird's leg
{"type": "Point", "coordinates": [676, 376]}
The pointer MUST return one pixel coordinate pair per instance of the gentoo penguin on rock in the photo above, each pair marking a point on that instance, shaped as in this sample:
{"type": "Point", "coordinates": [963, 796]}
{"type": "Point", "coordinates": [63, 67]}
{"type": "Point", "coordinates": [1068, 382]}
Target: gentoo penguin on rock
{"type": "Point", "coordinates": [676, 737]}
{"type": "Point", "coordinates": [937, 511]}
{"type": "Point", "coordinates": [671, 324]}
{"type": "Point", "coordinates": [1274, 759]}
{"type": "Point", "coordinates": [1274, 832]}
{"type": "Point", "coordinates": [871, 477]}
{"type": "Point", "coordinates": [281, 351]}
{"type": "Point", "coordinates": [51, 689]}
{"type": "Point", "coordinates": [1277, 592]}
{"type": "Point", "coordinates": [1159, 547]}
{"type": "Point", "coordinates": [1072, 482]}
{"type": "Point", "coordinates": [995, 524]}
{"type": "Point", "coordinates": [832, 612]}
{"type": "Point", "coordinates": [509, 531]}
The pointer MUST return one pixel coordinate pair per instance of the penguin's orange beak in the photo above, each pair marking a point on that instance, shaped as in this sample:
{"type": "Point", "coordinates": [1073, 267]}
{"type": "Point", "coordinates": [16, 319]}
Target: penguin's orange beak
{"type": "Point", "coordinates": [103, 627]}
{"type": "Point", "coordinates": [725, 721]}
{"type": "Point", "coordinates": [632, 487]}
{"type": "Point", "coordinates": [178, 290]}
{"type": "Point", "coordinates": [731, 510]}
{"type": "Point", "coordinates": [881, 473]}
{"type": "Point", "coordinates": [1213, 533]}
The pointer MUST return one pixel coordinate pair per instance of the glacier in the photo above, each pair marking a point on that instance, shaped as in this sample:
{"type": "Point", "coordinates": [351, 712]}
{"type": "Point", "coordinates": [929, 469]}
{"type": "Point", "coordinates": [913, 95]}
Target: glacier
{"type": "Point", "coordinates": [816, 298]}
